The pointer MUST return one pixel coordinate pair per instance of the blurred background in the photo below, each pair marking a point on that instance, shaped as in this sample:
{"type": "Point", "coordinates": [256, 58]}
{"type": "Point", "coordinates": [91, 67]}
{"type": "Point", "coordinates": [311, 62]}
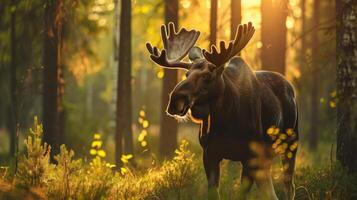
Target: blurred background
{"type": "Point", "coordinates": [78, 67]}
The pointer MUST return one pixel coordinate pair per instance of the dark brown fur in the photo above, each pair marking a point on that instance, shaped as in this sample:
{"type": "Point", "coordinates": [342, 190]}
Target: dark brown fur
{"type": "Point", "coordinates": [236, 106]}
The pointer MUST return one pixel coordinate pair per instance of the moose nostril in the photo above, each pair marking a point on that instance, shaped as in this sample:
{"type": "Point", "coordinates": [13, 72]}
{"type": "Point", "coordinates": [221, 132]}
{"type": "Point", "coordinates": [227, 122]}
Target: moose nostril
{"type": "Point", "coordinates": [178, 104]}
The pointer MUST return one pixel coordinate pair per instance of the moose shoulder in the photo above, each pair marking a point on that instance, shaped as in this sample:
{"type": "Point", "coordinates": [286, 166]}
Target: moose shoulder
{"type": "Point", "coordinates": [240, 111]}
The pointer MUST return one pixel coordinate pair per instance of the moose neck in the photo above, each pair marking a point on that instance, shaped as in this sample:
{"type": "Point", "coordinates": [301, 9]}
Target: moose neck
{"type": "Point", "coordinates": [234, 104]}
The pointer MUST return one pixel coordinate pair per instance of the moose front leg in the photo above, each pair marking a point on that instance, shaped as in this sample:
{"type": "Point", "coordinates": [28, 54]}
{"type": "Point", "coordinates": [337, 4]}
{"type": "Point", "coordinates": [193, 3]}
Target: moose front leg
{"type": "Point", "coordinates": [264, 182]}
{"type": "Point", "coordinates": [246, 182]}
{"type": "Point", "coordinates": [212, 169]}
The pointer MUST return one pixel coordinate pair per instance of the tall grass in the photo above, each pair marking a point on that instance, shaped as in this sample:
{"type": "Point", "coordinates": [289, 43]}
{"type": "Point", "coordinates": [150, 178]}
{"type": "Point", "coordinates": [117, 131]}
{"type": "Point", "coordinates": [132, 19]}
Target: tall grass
{"type": "Point", "coordinates": [179, 178]}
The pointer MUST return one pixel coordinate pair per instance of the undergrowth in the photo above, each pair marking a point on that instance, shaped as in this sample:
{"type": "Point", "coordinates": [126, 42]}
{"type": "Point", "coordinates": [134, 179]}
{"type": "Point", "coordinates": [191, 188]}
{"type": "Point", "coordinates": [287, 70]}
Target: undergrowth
{"type": "Point", "coordinates": [179, 178]}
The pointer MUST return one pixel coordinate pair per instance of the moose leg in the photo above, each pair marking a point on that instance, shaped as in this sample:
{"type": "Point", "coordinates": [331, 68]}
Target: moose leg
{"type": "Point", "coordinates": [289, 167]}
{"type": "Point", "coordinates": [212, 170]}
{"type": "Point", "coordinates": [246, 182]}
{"type": "Point", "coordinates": [264, 182]}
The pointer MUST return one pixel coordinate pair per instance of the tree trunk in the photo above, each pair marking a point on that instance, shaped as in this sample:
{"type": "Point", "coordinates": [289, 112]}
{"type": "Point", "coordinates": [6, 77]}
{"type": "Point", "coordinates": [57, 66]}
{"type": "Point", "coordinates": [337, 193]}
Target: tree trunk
{"type": "Point", "coordinates": [303, 28]}
{"type": "Point", "coordinates": [273, 34]}
{"type": "Point", "coordinates": [168, 125]}
{"type": "Point", "coordinates": [346, 84]}
{"type": "Point", "coordinates": [314, 116]}
{"type": "Point", "coordinates": [213, 23]}
{"type": "Point", "coordinates": [236, 16]}
{"type": "Point", "coordinates": [51, 65]}
{"type": "Point", "coordinates": [12, 121]}
{"type": "Point", "coordinates": [123, 113]}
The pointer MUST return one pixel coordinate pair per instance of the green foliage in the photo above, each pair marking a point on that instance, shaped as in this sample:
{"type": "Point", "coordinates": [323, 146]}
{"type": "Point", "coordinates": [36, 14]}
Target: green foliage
{"type": "Point", "coordinates": [34, 165]}
{"type": "Point", "coordinates": [175, 179]}
{"type": "Point", "coordinates": [180, 175]}
{"type": "Point", "coordinates": [65, 184]}
{"type": "Point", "coordinates": [179, 178]}
{"type": "Point", "coordinates": [328, 182]}
{"type": "Point", "coordinates": [74, 179]}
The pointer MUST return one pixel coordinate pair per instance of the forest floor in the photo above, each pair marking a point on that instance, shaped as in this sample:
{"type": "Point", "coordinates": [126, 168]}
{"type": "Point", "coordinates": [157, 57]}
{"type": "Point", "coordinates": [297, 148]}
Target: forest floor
{"type": "Point", "coordinates": [179, 178]}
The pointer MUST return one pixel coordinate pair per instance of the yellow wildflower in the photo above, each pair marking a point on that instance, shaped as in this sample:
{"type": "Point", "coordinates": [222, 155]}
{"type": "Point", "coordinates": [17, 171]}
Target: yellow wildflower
{"type": "Point", "coordinates": [142, 113]}
{"type": "Point", "coordinates": [97, 144]}
{"type": "Point", "coordinates": [141, 137]}
{"type": "Point", "coordinates": [270, 130]}
{"type": "Point", "coordinates": [276, 131]}
{"type": "Point", "coordinates": [160, 74]}
{"type": "Point", "coordinates": [332, 104]}
{"type": "Point", "coordinates": [144, 143]}
{"type": "Point", "coordinates": [125, 158]}
{"type": "Point", "coordinates": [290, 132]}
{"type": "Point", "coordinates": [102, 153]}
{"type": "Point", "coordinates": [123, 170]}
{"type": "Point", "coordinates": [110, 165]}
{"type": "Point", "coordinates": [97, 136]}
{"type": "Point", "coordinates": [282, 136]}
{"type": "Point", "coordinates": [140, 120]}
{"type": "Point", "coordinates": [145, 123]}
{"type": "Point", "coordinates": [293, 146]}
{"type": "Point", "coordinates": [93, 152]}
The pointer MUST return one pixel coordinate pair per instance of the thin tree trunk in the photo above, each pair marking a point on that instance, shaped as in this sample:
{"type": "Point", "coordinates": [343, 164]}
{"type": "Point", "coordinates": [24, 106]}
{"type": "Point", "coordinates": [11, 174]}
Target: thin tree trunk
{"type": "Point", "coordinates": [61, 87]}
{"type": "Point", "coordinates": [303, 28]}
{"type": "Point", "coordinates": [123, 113]}
{"type": "Point", "coordinates": [314, 116]}
{"type": "Point", "coordinates": [168, 125]}
{"type": "Point", "coordinates": [236, 16]}
{"type": "Point", "coordinates": [213, 23]}
{"type": "Point", "coordinates": [51, 64]}
{"type": "Point", "coordinates": [346, 84]}
{"type": "Point", "coordinates": [273, 32]}
{"type": "Point", "coordinates": [13, 85]}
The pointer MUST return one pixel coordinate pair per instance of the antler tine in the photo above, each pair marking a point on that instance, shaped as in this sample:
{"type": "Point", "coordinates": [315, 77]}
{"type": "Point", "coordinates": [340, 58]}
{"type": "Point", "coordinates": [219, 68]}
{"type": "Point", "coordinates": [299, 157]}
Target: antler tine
{"type": "Point", "coordinates": [243, 34]}
{"type": "Point", "coordinates": [176, 46]}
{"type": "Point", "coordinates": [218, 58]}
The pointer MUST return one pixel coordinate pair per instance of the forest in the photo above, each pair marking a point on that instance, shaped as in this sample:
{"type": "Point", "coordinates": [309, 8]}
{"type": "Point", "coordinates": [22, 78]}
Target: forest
{"type": "Point", "coordinates": [178, 99]}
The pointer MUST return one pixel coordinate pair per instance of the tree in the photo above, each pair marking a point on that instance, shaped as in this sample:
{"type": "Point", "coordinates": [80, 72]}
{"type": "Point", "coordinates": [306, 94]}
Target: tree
{"type": "Point", "coordinates": [314, 115]}
{"type": "Point", "coordinates": [213, 23]}
{"type": "Point", "coordinates": [53, 17]}
{"type": "Point", "coordinates": [123, 112]}
{"type": "Point", "coordinates": [346, 84]}
{"type": "Point", "coordinates": [273, 34]}
{"type": "Point", "coordinates": [12, 120]}
{"type": "Point", "coordinates": [236, 16]}
{"type": "Point", "coordinates": [168, 125]}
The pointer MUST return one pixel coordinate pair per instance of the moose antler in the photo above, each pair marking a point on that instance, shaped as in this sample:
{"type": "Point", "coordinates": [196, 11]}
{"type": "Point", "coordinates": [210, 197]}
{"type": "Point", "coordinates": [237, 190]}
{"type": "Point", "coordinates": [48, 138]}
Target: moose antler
{"type": "Point", "coordinates": [176, 47]}
{"type": "Point", "coordinates": [243, 34]}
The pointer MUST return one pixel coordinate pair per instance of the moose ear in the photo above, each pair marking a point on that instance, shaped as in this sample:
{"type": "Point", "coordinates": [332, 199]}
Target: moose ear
{"type": "Point", "coordinates": [195, 54]}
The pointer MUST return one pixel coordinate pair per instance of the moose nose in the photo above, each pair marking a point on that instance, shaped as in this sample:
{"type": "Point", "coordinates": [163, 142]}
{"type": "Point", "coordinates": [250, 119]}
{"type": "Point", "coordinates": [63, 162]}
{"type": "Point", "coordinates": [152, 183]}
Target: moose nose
{"type": "Point", "coordinates": [178, 105]}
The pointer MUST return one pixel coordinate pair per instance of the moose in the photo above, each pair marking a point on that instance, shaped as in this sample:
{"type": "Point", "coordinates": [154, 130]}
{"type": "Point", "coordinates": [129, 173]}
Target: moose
{"type": "Point", "coordinates": [244, 115]}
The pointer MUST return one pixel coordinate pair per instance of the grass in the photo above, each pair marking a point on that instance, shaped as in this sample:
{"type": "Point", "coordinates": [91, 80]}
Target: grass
{"type": "Point", "coordinates": [179, 178]}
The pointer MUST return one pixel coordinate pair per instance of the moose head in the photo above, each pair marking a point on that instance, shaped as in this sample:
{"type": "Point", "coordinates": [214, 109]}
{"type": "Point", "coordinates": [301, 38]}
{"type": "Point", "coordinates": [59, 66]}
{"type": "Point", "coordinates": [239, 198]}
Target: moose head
{"type": "Point", "coordinates": [204, 73]}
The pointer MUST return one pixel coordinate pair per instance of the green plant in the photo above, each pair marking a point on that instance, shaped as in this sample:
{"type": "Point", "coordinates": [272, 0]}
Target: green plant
{"type": "Point", "coordinates": [34, 166]}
